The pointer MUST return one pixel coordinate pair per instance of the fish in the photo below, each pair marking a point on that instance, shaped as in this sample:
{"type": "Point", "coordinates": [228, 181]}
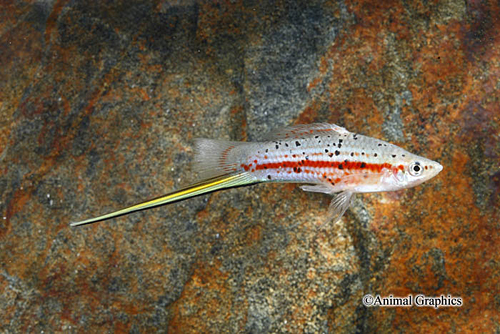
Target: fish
{"type": "Point", "coordinates": [325, 157]}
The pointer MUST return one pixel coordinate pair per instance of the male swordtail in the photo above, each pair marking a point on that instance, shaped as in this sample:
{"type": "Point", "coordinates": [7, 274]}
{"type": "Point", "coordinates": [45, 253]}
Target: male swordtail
{"type": "Point", "coordinates": [327, 157]}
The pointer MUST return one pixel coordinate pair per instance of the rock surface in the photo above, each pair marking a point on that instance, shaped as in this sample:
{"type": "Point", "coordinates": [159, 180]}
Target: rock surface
{"type": "Point", "coordinates": [99, 105]}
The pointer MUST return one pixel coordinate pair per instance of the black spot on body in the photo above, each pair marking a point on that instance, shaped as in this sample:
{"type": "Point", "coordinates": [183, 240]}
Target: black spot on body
{"type": "Point", "coordinates": [326, 151]}
{"type": "Point", "coordinates": [341, 166]}
{"type": "Point", "coordinates": [277, 147]}
{"type": "Point", "coordinates": [363, 165]}
{"type": "Point", "coordinates": [330, 155]}
{"type": "Point", "coordinates": [352, 154]}
{"type": "Point", "coordinates": [375, 154]}
{"type": "Point", "coordinates": [269, 177]}
{"type": "Point", "coordinates": [337, 152]}
{"type": "Point", "coordinates": [297, 143]}
{"type": "Point", "coordinates": [393, 155]}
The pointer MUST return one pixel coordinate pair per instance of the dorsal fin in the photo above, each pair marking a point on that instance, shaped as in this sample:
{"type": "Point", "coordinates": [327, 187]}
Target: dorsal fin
{"type": "Point", "coordinates": [304, 130]}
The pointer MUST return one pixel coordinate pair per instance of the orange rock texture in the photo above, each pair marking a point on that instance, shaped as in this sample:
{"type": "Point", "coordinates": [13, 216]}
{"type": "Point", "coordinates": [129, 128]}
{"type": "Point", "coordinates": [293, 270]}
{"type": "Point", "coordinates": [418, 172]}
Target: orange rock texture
{"type": "Point", "coordinates": [99, 105]}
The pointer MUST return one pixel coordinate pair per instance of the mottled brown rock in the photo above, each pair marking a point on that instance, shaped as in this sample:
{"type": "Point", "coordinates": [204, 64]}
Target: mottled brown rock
{"type": "Point", "coordinates": [99, 105]}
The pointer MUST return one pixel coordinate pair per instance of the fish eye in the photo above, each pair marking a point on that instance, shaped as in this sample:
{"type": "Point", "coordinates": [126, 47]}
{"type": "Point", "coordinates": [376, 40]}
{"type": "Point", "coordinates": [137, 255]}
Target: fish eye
{"type": "Point", "coordinates": [415, 169]}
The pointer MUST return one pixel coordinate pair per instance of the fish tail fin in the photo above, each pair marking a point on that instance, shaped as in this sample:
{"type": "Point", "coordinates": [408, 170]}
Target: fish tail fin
{"type": "Point", "coordinates": [200, 188]}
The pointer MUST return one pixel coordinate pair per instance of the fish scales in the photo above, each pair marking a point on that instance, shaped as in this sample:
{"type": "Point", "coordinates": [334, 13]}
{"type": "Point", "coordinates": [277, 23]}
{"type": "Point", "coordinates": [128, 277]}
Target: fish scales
{"type": "Point", "coordinates": [327, 157]}
{"type": "Point", "coordinates": [318, 158]}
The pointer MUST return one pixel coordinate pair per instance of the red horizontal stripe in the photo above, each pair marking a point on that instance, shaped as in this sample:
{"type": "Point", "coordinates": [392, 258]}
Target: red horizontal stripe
{"type": "Point", "coordinates": [298, 165]}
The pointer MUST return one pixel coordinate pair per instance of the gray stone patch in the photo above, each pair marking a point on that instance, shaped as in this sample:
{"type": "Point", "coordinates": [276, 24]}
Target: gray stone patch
{"type": "Point", "coordinates": [279, 69]}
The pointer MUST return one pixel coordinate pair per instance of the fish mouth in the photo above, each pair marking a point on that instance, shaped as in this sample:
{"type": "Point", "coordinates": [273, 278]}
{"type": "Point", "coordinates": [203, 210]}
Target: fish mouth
{"type": "Point", "coordinates": [436, 169]}
{"type": "Point", "coordinates": [439, 167]}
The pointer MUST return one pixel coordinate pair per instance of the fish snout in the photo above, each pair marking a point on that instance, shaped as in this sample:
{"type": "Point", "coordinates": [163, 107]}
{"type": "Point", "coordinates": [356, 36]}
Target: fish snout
{"type": "Point", "coordinates": [435, 169]}
{"type": "Point", "coordinates": [438, 167]}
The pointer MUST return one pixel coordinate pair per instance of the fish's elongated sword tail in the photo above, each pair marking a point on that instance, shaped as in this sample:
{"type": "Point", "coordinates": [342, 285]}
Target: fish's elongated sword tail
{"type": "Point", "coordinates": [200, 188]}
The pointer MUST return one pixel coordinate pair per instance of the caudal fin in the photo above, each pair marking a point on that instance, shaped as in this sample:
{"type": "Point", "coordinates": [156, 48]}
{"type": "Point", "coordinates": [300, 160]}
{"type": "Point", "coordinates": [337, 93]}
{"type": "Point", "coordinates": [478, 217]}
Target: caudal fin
{"type": "Point", "coordinates": [218, 157]}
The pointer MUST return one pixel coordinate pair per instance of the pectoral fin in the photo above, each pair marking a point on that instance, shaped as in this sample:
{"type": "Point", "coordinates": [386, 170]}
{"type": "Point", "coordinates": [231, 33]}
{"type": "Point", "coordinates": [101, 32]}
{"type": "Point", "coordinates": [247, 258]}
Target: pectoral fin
{"type": "Point", "coordinates": [339, 205]}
